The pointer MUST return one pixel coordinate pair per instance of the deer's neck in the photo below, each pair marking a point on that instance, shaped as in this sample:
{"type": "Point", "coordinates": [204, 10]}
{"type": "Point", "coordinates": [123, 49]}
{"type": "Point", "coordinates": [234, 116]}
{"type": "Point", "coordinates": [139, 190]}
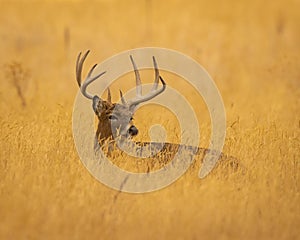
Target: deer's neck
{"type": "Point", "coordinates": [103, 132]}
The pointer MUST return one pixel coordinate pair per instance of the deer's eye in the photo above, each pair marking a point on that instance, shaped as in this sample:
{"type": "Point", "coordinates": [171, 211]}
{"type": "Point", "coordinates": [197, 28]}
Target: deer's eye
{"type": "Point", "coordinates": [131, 119]}
{"type": "Point", "coordinates": [112, 117]}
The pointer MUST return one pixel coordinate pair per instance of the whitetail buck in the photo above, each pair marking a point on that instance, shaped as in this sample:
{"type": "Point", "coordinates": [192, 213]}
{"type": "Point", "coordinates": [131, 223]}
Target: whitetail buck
{"type": "Point", "coordinates": [116, 119]}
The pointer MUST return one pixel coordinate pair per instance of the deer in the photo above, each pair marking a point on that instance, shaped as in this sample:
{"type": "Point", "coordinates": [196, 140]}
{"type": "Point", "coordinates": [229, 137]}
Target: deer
{"type": "Point", "coordinates": [115, 120]}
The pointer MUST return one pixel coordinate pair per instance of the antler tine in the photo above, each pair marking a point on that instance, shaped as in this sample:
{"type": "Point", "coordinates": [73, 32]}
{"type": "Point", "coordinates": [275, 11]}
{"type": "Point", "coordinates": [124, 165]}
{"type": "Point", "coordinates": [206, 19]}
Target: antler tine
{"type": "Point", "coordinates": [79, 64]}
{"type": "Point", "coordinates": [89, 79]}
{"type": "Point", "coordinates": [137, 77]}
{"type": "Point", "coordinates": [155, 84]}
{"type": "Point", "coordinates": [108, 95]}
{"type": "Point", "coordinates": [78, 72]}
{"type": "Point", "coordinates": [122, 98]}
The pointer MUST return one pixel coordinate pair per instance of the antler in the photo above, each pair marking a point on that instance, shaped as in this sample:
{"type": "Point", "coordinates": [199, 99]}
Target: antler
{"type": "Point", "coordinates": [139, 97]}
{"type": "Point", "coordinates": [154, 91]}
{"type": "Point", "coordinates": [89, 79]}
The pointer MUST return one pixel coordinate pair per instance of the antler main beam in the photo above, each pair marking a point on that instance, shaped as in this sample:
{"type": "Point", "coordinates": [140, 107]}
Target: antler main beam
{"type": "Point", "coordinates": [154, 91]}
{"type": "Point", "coordinates": [89, 79]}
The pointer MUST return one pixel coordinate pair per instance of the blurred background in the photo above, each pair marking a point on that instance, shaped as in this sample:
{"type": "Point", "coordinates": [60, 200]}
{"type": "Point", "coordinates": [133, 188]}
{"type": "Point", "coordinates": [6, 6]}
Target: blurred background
{"type": "Point", "coordinates": [245, 46]}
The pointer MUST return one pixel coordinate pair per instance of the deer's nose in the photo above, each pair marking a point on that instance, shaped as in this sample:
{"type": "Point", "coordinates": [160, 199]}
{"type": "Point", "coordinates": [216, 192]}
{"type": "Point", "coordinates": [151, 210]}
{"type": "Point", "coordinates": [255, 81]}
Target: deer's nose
{"type": "Point", "coordinates": [133, 131]}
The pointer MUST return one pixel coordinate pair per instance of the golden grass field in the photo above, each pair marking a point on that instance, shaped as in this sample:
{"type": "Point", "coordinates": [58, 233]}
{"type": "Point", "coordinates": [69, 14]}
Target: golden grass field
{"type": "Point", "coordinates": [250, 48]}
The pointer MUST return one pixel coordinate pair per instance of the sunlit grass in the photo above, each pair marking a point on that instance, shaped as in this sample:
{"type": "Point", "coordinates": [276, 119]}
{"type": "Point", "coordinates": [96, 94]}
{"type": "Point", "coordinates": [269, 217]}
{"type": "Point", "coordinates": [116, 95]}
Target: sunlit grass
{"type": "Point", "coordinates": [250, 51]}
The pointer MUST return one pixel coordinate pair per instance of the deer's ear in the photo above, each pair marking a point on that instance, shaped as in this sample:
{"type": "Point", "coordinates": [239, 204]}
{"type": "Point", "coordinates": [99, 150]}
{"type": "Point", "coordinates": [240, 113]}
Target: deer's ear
{"type": "Point", "coordinates": [97, 104]}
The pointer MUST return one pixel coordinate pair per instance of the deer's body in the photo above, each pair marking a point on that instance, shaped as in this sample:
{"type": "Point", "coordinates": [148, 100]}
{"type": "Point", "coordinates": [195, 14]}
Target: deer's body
{"type": "Point", "coordinates": [115, 120]}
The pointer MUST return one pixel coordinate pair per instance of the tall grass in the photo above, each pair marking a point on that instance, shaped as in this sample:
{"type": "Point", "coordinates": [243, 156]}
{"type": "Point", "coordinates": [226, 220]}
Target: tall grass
{"type": "Point", "coordinates": [249, 48]}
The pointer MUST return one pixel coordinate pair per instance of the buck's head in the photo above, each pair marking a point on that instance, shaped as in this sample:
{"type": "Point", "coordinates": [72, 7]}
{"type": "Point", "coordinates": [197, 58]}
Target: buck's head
{"type": "Point", "coordinates": [116, 119]}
